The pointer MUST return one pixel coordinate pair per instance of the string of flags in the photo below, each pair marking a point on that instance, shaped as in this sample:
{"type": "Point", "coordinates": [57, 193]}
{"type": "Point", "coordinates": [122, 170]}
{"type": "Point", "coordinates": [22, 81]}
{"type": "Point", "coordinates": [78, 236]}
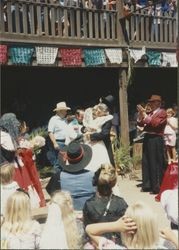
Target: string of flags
{"type": "Point", "coordinates": [73, 57]}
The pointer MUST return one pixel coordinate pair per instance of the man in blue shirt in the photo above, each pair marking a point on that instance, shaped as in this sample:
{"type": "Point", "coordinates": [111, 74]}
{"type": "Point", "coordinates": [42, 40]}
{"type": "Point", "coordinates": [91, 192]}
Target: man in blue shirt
{"type": "Point", "coordinates": [74, 177]}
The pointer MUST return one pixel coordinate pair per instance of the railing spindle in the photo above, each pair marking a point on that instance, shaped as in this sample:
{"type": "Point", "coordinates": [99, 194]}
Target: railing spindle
{"type": "Point", "coordinates": [2, 16]}
{"type": "Point", "coordinates": [78, 23]}
{"type": "Point", "coordinates": [9, 17]}
{"type": "Point", "coordinates": [17, 19]}
{"type": "Point", "coordinates": [66, 22]}
{"type": "Point", "coordinates": [53, 21]}
{"type": "Point", "coordinates": [170, 30]}
{"type": "Point", "coordinates": [161, 29]}
{"type": "Point", "coordinates": [25, 17]}
{"type": "Point", "coordinates": [142, 31]}
{"type": "Point", "coordinates": [32, 19]}
{"type": "Point", "coordinates": [39, 18]}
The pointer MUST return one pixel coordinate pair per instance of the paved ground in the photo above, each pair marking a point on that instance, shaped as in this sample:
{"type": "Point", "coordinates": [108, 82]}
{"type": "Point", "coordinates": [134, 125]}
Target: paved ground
{"type": "Point", "coordinates": [131, 193]}
{"type": "Point", "coordinates": [128, 190]}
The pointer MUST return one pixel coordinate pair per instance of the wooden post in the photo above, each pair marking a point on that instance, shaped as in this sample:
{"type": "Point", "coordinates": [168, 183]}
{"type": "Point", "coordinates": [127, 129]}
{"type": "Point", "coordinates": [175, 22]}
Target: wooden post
{"type": "Point", "coordinates": [120, 14]}
{"type": "Point", "coordinates": [124, 120]}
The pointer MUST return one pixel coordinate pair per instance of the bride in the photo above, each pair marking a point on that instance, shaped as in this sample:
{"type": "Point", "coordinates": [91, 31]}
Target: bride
{"type": "Point", "coordinates": [94, 120]}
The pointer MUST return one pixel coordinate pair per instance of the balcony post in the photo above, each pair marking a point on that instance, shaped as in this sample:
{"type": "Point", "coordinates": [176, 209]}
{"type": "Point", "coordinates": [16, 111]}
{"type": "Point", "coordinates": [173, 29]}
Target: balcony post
{"type": "Point", "coordinates": [123, 106]}
{"type": "Point", "coordinates": [120, 15]}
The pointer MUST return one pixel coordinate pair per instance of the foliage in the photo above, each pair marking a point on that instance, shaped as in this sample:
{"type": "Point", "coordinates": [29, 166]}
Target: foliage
{"type": "Point", "coordinates": [40, 131]}
{"type": "Point", "coordinates": [46, 171]}
{"type": "Point", "coordinates": [122, 158]}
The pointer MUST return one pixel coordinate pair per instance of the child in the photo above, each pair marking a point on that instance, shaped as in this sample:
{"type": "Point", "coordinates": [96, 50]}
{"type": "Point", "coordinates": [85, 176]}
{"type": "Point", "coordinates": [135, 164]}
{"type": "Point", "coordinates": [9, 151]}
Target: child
{"type": "Point", "coordinates": [18, 230]}
{"type": "Point", "coordinates": [139, 229]}
{"type": "Point", "coordinates": [60, 224]}
{"type": "Point", "coordinates": [8, 186]}
{"type": "Point", "coordinates": [170, 135]}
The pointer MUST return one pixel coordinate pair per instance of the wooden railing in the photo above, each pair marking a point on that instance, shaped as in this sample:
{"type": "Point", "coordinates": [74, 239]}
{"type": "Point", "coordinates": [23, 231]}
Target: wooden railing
{"type": "Point", "coordinates": [42, 22]}
{"type": "Point", "coordinates": [151, 31]}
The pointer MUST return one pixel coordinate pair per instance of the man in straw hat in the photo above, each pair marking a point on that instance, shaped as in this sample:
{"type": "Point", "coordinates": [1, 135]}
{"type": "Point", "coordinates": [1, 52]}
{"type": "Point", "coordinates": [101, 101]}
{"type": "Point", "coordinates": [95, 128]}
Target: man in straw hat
{"type": "Point", "coordinates": [57, 129]}
{"type": "Point", "coordinates": [153, 158]}
{"type": "Point", "coordinates": [74, 176]}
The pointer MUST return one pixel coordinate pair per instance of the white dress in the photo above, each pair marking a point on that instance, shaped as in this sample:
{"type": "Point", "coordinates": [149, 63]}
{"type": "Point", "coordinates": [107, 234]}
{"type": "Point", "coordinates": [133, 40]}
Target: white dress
{"type": "Point", "coordinates": [99, 151]}
{"type": "Point", "coordinates": [6, 191]}
{"type": "Point", "coordinates": [170, 133]}
{"type": "Point", "coordinates": [53, 235]}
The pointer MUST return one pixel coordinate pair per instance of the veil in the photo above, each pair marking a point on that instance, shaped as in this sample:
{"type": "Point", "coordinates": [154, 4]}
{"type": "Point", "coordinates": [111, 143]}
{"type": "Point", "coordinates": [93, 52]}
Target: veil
{"type": "Point", "coordinates": [94, 124]}
{"type": "Point", "coordinates": [53, 235]}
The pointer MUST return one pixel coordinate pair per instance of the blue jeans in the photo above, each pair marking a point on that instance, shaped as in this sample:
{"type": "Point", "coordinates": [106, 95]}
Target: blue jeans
{"type": "Point", "coordinates": [56, 164]}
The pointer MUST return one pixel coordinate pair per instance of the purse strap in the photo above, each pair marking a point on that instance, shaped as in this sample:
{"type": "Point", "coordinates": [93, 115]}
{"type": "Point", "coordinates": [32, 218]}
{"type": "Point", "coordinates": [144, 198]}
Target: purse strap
{"type": "Point", "coordinates": [107, 206]}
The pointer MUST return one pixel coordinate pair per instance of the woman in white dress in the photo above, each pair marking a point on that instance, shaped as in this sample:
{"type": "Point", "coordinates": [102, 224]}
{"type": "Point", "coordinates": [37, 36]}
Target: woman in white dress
{"type": "Point", "coordinates": [94, 119]}
{"type": "Point", "coordinates": [60, 230]}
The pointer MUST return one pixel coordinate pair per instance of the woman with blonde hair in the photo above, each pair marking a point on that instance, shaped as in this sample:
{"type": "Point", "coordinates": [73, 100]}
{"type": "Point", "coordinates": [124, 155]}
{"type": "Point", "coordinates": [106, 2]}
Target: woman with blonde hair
{"type": "Point", "coordinates": [60, 230]}
{"type": "Point", "coordinates": [139, 229]}
{"type": "Point", "coordinates": [8, 186]}
{"type": "Point", "coordinates": [18, 230]}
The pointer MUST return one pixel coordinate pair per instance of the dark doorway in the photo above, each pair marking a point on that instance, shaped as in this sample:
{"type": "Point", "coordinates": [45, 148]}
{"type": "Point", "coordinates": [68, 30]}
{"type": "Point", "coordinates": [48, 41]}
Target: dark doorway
{"type": "Point", "coordinates": [32, 92]}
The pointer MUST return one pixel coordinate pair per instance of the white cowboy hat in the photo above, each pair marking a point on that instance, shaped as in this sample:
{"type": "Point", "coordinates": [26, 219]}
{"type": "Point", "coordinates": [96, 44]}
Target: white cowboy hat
{"type": "Point", "coordinates": [61, 106]}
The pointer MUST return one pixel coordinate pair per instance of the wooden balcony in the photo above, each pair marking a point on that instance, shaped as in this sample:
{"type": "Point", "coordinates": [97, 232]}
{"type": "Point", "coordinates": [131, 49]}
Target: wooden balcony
{"type": "Point", "coordinates": [42, 23]}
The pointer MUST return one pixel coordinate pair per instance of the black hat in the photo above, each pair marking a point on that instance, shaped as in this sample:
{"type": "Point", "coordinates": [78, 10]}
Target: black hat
{"type": "Point", "coordinates": [108, 100]}
{"type": "Point", "coordinates": [77, 157]}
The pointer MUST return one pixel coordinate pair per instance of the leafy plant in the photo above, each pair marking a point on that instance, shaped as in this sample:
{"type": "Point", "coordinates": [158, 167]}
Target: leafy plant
{"type": "Point", "coordinates": [46, 171]}
{"type": "Point", "coordinates": [122, 158]}
{"type": "Point", "coordinates": [40, 131]}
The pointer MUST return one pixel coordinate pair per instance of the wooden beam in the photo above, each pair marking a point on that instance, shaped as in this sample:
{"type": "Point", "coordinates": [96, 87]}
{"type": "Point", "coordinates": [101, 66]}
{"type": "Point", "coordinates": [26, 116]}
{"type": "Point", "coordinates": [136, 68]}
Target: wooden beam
{"type": "Point", "coordinates": [123, 105]}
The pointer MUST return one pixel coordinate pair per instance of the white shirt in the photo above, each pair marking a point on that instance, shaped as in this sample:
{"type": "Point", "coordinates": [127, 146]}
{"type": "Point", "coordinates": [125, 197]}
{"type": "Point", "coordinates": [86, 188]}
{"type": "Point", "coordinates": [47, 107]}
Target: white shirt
{"type": "Point", "coordinates": [58, 126]}
{"type": "Point", "coordinates": [6, 141]}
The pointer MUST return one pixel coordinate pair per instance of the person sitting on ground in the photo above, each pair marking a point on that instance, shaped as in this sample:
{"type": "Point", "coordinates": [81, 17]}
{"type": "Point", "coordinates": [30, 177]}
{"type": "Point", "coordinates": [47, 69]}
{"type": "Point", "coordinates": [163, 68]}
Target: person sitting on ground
{"type": "Point", "coordinates": [18, 230]}
{"type": "Point", "coordinates": [104, 206]}
{"type": "Point", "coordinates": [8, 186]}
{"type": "Point", "coordinates": [60, 230]}
{"type": "Point", "coordinates": [138, 227]}
{"type": "Point", "coordinates": [74, 177]}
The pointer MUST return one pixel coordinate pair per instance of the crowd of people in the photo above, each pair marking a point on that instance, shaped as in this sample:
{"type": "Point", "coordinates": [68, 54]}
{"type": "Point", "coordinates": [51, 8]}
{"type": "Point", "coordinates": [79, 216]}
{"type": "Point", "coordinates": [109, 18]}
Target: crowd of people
{"type": "Point", "coordinates": [84, 211]}
{"type": "Point", "coordinates": [64, 16]}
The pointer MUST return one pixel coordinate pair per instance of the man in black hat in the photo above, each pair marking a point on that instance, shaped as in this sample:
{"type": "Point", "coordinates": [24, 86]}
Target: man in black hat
{"type": "Point", "coordinates": [109, 101]}
{"type": "Point", "coordinates": [74, 177]}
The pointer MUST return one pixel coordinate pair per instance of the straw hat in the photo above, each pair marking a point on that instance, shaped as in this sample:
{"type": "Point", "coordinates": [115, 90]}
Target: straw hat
{"type": "Point", "coordinates": [61, 106]}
